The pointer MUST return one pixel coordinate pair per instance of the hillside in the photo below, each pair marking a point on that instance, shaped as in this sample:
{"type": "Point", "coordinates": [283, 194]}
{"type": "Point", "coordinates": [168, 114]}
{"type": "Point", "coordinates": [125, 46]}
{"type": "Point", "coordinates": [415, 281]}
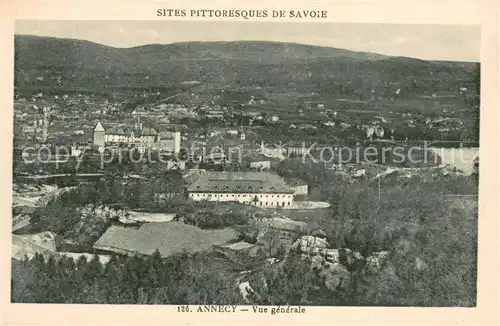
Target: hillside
{"type": "Point", "coordinates": [37, 51]}
{"type": "Point", "coordinates": [67, 62]}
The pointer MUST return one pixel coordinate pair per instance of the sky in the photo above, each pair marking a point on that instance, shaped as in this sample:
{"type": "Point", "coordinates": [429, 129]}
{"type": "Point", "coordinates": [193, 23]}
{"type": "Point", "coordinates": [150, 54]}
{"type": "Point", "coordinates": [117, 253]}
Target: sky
{"type": "Point", "coordinates": [428, 42]}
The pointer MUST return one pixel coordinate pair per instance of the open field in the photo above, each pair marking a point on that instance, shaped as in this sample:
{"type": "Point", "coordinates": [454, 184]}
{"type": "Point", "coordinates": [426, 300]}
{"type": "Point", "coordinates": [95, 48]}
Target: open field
{"type": "Point", "coordinates": [315, 218]}
{"type": "Point", "coordinates": [168, 237]}
{"type": "Point", "coordinates": [308, 205]}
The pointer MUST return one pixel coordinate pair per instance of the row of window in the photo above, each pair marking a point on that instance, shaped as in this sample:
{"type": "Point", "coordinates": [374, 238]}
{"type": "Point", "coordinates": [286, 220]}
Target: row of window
{"type": "Point", "coordinates": [242, 195]}
{"type": "Point", "coordinates": [282, 204]}
{"type": "Point", "coordinates": [238, 188]}
{"type": "Point", "coordinates": [127, 139]}
{"type": "Point", "coordinates": [261, 203]}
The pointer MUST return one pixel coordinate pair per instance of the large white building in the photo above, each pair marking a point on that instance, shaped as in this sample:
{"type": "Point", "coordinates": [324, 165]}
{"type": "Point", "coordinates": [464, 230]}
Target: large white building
{"type": "Point", "coordinates": [263, 189]}
{"type": "Point", "coordinates": [141, 138]}
{"type": "Point", "coordinates": [117, 135]}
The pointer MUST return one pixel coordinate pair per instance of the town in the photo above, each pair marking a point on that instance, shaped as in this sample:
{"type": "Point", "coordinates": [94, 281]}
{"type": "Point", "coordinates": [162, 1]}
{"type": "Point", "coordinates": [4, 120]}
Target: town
{"type": "Point", "coordinates": [231, 185]}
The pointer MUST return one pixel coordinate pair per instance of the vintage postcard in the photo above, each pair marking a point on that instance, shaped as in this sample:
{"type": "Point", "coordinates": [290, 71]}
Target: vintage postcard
{"type": "Point", "coordinates": [216, 163]}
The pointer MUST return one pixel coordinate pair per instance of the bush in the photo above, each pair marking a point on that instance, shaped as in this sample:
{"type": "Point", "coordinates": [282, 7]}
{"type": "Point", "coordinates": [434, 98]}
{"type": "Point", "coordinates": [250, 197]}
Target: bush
{"type": "Point", "coordinates": [212, 220]}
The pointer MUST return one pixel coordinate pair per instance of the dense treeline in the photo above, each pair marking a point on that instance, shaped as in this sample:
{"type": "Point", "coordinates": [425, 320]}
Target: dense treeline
{"type": "Point", "coordinates": [429, 232]}
{"type": "Point", "coordinates": [293, 283]}
{"type": "Point", "coordinates": [431, 241]}
{"type": "Point", "coordinates": [123, 280]}
{"type": "Point", "coordinates": [62, 214]}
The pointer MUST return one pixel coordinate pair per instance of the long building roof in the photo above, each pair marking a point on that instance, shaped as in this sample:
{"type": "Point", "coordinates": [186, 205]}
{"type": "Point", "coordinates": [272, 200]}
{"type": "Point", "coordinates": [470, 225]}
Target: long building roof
{"type": "Point", "coordinates": [240, 182]}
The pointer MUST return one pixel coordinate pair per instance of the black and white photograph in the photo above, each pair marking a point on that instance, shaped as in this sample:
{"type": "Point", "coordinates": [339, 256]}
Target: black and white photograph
{"type": "Point", "coordinates": [225, 164]}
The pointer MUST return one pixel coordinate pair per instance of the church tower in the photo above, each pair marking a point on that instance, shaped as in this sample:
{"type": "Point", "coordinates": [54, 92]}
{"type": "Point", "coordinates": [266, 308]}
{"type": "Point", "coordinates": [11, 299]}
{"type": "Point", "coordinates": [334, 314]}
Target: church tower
{"type": "Point", "coordinates": [98, 136]}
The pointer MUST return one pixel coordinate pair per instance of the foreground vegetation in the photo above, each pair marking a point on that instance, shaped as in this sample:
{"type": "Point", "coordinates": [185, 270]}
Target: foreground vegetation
{"type": "Point", "coordinates": [430, 235]}
{"type": "Point", "coordinates": [124, 280]}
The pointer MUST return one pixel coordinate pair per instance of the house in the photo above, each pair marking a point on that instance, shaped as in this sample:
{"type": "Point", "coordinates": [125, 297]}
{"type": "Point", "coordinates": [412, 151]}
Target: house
{"type": "Point", "coordinates": [299, 187]}
{"type": "Point", "coordinates": [297, 149]}
{"type": "Point", "coordinates": [77, 151]}
{"type": "Point", "coordinates": [259, 162]}
{"type": "Point", "coordinates": [216, 158]}
{"type": "Point", "coordinates": [272, 151]}
{"type": "Point", "coordinates": [307, 126]}
{"type": "Point", "coordinates": [214, 114]}
{"type": "Point", "coordinates": [143, 137]}
{"type": "Point", "coordinates": [116, 135]}
{"type": "Point", "coordinates": [147, 136]}
{"type": "Point", "coordinates": [169, 141]}
{"type": "Point", "coordinates": [263, 189]}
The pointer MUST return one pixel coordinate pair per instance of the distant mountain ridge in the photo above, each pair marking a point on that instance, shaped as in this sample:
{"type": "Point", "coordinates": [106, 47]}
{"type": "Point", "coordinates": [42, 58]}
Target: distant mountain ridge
{"type": "Point", "coordinates": [240, 62]}
{"type": "Point", "coordinates": [265, 51]}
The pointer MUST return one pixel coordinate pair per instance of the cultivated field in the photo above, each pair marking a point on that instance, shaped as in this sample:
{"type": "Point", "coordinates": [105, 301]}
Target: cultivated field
{"type": "Point", "coordinates": [168, 237]}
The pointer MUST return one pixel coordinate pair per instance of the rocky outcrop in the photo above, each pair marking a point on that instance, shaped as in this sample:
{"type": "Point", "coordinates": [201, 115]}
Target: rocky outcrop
{"type": "Point", "coordinates": [103, 213]}
{"type": "Point", "coordinates": [324, 260]}
{"type": "Point", "coordinates": [310, 244]}
{"type": "Point", "coordinates": [375, 262]}
{"type": "Point", "coordinates": [246, 290]}
{"type": "Point", "coordinates": [335, 265]}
